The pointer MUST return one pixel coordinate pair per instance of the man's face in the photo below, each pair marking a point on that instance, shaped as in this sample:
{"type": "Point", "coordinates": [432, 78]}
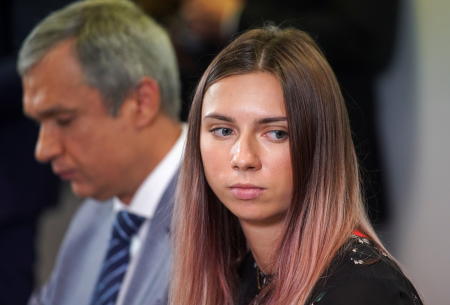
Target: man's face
{"type": "Point", "coordinates": [84, 143]}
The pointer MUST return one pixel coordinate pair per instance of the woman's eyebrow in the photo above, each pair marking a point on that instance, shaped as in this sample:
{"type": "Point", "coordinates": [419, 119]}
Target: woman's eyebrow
{"type": "Point", "coordinates": [272, 120]}
{"type": "Point", "coordinates": [219, 117]}
{"type": "Point", "coordinates": [262, 121]}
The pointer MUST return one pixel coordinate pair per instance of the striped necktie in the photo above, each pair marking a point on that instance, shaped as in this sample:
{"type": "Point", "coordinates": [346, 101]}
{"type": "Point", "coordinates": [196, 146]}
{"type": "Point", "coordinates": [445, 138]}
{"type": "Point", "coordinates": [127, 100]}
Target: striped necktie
{"type": "Point", "coordinates": [117, 258]}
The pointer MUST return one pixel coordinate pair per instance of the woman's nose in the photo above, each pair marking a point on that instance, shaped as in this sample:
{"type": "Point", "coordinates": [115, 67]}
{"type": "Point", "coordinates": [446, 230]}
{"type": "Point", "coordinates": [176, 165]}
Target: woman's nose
{"type": "Point", "coordinates": [245, 154]}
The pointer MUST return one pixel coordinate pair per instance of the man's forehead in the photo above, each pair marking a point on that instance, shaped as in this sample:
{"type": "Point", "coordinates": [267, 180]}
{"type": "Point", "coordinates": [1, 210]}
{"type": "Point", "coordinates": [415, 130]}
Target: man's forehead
{"type": "Point", "coordinates": [40, 108]}
{"type": "Point", "coordinates": [39, 98]}
{"type": "Point", "coordinates": [44, 100]}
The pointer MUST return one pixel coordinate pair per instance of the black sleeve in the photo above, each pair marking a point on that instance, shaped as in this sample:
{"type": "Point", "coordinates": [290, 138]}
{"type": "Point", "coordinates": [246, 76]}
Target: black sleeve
{"type": "Point", "coordinates": [368, 291]}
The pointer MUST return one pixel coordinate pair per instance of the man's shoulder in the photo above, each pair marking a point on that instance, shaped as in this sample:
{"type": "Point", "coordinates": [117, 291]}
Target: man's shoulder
{"type": "Point", "coordinates": [79, 256]}
{"type": "Point", "coordinates": [90, 205]}
{"type": "Point", "coordinates": [90, 217]}
{"type": "Point", "coordinates": [91, 209]}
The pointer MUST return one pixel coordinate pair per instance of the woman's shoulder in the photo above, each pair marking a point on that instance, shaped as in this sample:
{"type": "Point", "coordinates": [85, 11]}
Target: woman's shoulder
{"type": "Point", "coordinates": [362, 273]}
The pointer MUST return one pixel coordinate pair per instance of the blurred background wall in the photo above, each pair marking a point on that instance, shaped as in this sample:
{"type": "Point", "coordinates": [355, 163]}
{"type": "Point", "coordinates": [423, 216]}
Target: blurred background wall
{"type": "Point", "coordinates": [415, 113]}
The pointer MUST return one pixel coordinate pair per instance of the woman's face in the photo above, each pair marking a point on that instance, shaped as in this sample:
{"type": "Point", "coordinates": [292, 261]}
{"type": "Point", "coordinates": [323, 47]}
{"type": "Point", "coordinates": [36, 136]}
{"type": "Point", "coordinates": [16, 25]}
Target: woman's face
{"type": "Point", "coordinates": [244, 145]}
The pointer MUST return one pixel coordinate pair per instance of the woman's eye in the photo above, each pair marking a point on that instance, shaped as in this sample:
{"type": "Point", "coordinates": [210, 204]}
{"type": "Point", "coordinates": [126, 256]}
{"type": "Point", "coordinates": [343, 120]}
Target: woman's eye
{"type": "Point", "coordinates": [277, 135]}
{"type": "Point", "coordinates": [222, 131]}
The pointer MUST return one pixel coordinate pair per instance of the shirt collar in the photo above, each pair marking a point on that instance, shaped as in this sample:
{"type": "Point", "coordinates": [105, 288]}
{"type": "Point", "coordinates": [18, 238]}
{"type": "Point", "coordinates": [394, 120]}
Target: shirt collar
{"type": "Point", "coordinates": [146, 198]}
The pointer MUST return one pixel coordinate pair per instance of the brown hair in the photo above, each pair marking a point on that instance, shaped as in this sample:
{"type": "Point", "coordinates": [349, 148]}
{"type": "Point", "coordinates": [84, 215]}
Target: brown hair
{"type": "Point", "coordinates": [326, 203]}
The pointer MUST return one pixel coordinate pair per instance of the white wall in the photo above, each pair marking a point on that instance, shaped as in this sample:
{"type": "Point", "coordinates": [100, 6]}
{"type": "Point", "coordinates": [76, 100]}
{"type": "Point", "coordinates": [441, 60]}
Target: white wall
{"type": "Point", "coordinates": [415, 122]}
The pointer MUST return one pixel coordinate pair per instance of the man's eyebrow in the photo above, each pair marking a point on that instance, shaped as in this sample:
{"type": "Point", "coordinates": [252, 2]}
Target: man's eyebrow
{"type": "Point", "coordinates": [219, 117]}
{"type": "Point", "coordinates": [51, 112]}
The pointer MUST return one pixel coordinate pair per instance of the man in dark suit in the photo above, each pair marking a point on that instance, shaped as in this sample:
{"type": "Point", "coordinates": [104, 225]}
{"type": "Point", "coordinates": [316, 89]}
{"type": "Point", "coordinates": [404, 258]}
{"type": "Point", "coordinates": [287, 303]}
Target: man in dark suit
{"type": "Point", "coordinates": [100, 78]}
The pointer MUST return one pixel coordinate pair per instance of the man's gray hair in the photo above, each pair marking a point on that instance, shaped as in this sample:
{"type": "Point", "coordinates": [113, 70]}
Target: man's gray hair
{"type": "Point", "coordinates": [116, 45]}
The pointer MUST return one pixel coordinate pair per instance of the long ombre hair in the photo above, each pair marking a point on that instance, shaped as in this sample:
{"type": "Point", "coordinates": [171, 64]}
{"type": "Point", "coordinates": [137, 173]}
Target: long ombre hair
{"type": "Point", "coordinates": [326, 203]}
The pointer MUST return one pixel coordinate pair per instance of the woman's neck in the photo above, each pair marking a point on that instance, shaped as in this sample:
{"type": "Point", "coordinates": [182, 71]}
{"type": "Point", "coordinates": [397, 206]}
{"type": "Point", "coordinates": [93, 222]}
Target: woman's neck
{"type": "Point", "coordinates": [263, 241]}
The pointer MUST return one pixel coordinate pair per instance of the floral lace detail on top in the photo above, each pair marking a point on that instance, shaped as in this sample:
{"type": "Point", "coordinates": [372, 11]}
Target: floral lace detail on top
{"type": "Point", "coordinates": [360, 252]}
{"type": "Point", "coordinates": [363, 252]}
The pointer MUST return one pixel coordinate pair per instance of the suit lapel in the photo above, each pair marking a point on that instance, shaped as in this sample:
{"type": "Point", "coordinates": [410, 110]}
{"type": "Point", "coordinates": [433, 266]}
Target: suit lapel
{"type": "Point", "coordinates": [149, 282]}
{"type": "Point", "coordinates": [81, 255]}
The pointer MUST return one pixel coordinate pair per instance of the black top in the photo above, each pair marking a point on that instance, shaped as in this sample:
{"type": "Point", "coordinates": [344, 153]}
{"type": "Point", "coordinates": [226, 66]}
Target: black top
{"type": "Point", "coordinates": [359, 275]}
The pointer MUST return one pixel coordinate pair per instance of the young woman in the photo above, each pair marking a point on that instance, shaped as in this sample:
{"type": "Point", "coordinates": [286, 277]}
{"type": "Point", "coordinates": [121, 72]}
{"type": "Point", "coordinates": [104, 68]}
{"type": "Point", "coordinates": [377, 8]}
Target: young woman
{"type": "Point", "coordinates": [270, 208]}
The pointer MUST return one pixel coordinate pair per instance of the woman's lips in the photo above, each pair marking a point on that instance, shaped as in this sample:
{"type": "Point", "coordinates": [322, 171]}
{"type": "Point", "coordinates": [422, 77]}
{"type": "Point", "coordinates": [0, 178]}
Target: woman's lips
{"type": "Point", "coordinates": [246, 191]}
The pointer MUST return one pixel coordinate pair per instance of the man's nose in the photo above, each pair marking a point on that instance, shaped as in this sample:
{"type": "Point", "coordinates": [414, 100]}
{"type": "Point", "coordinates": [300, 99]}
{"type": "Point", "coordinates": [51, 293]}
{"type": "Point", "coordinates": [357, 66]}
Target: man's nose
{"type": "Point", "coordinates": [48, 145]}
{"type": "Point", "coordinates": [245, 154]}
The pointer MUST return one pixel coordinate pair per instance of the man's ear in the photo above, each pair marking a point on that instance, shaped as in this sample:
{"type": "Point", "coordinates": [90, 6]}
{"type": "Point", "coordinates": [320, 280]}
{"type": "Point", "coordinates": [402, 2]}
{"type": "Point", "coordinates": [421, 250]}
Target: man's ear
{"type": "Point", "coordinates": [146, 101]}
